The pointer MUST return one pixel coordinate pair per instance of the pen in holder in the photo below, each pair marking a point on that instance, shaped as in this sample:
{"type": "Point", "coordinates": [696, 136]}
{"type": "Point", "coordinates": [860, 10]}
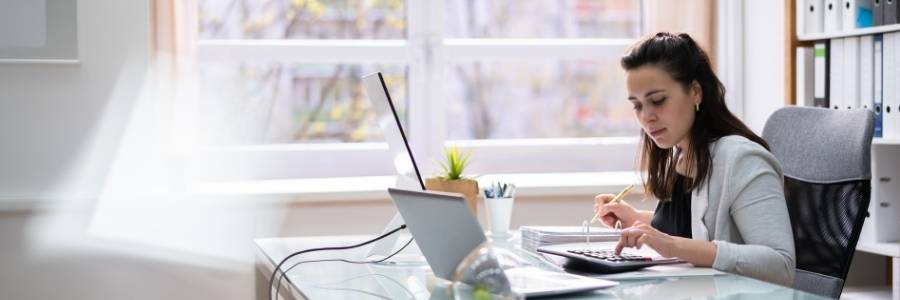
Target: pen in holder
{"type": "Point", "coordinates": [498, 198]}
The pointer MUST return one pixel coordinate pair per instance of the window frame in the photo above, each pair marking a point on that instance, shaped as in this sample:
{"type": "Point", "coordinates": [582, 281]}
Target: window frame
{"type": "Point", "coordinates": [427, 55]}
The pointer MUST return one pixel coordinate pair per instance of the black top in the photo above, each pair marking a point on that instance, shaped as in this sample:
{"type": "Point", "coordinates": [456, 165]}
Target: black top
{"type": "Point", "coordinates": [674, 217]}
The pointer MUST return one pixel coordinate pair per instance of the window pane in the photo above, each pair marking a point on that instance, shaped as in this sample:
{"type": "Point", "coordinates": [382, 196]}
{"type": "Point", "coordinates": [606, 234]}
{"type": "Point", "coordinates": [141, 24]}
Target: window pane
{"type": "Point", "coordinates": [538, 100]}
{"type": "Point", "coordinates": [250, 103]}
{"type": "Point", "coordinates": [302, 19]}
{"type": "Point", "coordinates": [543, 18]}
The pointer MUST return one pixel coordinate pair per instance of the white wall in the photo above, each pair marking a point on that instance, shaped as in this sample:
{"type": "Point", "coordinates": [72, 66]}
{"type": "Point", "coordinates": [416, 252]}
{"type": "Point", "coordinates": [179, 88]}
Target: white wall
{"type": "Point", "coordinates": [56, 119]}
{"type": "Point", "coordinates": [49, 111]}
{"type": "Point", "coordinates": [764, 80]}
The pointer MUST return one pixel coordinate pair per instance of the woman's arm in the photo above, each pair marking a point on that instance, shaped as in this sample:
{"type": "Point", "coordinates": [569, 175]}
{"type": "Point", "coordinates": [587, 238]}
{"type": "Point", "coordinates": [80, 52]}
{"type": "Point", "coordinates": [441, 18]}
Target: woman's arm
{"type": "Point", "coordinates": [756, 204]}
{"type": "Point", "coordinates": [697, 252]}
{"type": "Point", "coordinates": [645, 216]}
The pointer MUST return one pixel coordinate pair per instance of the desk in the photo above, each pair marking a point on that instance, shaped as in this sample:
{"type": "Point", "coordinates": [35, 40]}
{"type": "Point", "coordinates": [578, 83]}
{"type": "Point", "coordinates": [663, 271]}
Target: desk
{"type": "Point", "coordinates": [337, 280]}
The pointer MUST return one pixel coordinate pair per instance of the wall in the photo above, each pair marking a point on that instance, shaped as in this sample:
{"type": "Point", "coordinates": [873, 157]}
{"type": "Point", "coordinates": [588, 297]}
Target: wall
{"type": "Point", "coordinates": [763, 60]}
{"type": "Point", "coordinates": [49, 112]}
{"type": "Point", "coordinates": [59, 125]}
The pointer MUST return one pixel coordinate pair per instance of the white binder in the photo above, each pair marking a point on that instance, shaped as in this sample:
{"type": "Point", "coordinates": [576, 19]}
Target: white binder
{"type": "Point", "coordinates": [836, 74]}
{"type": "Point", "coordinates": [856, 14]}
{"type": "Point", "coordinates": [894, 83]}
{"type": "Point", "coordinates": [811, 15]}
{"type": "Point", "coordinates": [866, 72]}
{"type": "Point", "coordinates": [832, 15]}
{"type": "Point", "coordinates": [820, 90]}
{"type": "Point", "coordinates": [851, 73]}
{"type": "Point", "coordinates": [889, 79]}
{"type": "Point", "coordinates": [878, 104]}
{"type": "Point", "coordinates": [805, 76]}
{"type": "Point", "coordinates": [848, 14]}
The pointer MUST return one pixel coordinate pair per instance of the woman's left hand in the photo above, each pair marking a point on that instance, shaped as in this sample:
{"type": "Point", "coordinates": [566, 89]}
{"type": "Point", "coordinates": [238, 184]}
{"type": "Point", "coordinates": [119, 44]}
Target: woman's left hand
{"type": "Point", "coordinates": [641, 234]}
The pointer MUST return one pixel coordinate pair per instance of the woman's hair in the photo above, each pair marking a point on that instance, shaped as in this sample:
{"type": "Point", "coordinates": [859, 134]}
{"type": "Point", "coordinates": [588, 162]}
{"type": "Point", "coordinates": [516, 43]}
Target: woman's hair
{"type": "Point", "coordinates": [681, 58]}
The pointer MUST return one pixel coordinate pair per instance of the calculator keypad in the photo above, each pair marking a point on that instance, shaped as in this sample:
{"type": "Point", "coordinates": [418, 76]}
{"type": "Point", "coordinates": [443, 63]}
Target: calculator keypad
{"type": "Point", "coordinates": [609, 255]}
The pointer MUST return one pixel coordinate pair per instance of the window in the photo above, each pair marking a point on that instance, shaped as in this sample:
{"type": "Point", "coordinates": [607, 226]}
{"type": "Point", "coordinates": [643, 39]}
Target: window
{"type": "Point", "coordinates": [528, 85]}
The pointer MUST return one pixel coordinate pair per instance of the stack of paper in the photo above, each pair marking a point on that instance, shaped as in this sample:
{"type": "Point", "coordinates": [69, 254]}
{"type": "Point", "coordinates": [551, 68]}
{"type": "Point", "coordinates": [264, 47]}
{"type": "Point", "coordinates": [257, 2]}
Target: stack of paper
{"type": "Point", "coordinates": [537, 236]}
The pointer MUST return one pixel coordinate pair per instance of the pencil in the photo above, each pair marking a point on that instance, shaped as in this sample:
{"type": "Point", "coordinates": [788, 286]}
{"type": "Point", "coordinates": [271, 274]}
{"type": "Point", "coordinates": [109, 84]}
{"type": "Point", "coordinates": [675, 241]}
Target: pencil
{"type": "Point", "coordinates": [617, 199]}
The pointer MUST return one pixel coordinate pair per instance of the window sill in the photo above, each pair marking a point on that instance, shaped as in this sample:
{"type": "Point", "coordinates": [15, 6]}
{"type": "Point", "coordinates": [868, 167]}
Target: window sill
{"type": "Point", "coordinates": [374, 187]}
{"type": "Point", "coordinates": [369, 188]}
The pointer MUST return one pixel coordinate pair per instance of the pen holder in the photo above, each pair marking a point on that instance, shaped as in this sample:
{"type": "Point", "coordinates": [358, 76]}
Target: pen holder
{"type": "Point", "coordinates": [499, 211]}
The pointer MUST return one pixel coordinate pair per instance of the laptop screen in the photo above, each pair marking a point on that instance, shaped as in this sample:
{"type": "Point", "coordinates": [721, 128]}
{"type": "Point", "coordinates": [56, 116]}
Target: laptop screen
{"type": "Point", "coordinates": [389, 120]}
{"type": "Point", "coordinates": [444, 228]}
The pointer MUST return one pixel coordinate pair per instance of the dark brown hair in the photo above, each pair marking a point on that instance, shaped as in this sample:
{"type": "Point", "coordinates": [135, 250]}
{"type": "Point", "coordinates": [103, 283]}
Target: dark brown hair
{"type": "Point", "coordinates": [680, 57]}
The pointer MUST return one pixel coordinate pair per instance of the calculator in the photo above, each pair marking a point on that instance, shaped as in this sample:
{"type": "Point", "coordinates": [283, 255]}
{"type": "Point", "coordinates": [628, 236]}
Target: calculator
{"type": "Point", "coordinates": [605, 261]}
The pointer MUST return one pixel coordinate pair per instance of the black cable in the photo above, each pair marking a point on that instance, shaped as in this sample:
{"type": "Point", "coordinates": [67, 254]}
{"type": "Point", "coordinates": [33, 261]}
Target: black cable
{"type": "Point", "coordinates": [284, 274]}
{"type": "Point", "coordinates": [278, 267]}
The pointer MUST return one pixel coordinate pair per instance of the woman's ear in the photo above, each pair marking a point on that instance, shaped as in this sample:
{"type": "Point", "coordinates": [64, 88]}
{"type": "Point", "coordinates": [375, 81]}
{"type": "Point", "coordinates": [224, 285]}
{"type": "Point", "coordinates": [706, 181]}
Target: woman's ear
{"type": "Point", "coordinates": [696, 92]}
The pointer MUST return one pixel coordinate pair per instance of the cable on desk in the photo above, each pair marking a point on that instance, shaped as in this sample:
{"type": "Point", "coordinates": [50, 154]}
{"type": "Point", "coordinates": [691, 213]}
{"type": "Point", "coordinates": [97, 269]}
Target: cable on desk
{"type": "Point", "coordinates": [278, 267]}
{"type": "Point", "coordinates": [284, 274]}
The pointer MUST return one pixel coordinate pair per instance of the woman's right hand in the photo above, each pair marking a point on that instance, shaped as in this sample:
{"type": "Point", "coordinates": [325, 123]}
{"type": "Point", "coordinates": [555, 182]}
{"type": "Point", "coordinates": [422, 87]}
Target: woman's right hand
{"type": "Point", "coordinates": [612, 212]}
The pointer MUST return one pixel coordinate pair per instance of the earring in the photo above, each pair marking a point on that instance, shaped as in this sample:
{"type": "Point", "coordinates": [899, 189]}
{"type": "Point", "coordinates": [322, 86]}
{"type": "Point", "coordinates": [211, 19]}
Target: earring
{"type": "Point", "coordinates": [697, 107]}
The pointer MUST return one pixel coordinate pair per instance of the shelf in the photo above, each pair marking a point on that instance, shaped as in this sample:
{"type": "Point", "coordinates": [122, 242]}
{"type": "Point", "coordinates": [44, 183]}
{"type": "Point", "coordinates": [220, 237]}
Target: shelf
{"type": "Point", "coordinates": [866, 292]}
{"type": "Point", "coordinates": [886, 249]}
{"type": "Point", "coordinates": [368, 188]}
{"type": "Point", "coordinates": [883, 141]}
{"type": "Point", "coordinates": [854, 32]}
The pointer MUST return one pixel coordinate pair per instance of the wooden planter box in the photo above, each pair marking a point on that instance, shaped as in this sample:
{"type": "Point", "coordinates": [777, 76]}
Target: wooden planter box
{"type": "Point", "coordinates": [467, 187]}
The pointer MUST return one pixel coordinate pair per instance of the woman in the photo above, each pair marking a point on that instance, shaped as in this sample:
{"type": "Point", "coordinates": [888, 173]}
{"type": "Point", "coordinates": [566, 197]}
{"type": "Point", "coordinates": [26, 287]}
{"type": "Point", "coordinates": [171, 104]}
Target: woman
{"type": "Point", "coordinates": [720, 191]}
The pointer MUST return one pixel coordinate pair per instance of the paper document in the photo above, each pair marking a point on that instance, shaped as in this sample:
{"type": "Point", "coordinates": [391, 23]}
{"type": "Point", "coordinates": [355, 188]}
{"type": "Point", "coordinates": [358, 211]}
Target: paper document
{"type": "Point", "coordinates": [537, 236]}
{"type": "Point", "coordinates": [567, 230]}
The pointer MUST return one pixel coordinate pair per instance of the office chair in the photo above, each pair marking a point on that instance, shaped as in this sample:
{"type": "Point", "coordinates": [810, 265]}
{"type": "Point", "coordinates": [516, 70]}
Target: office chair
{"type": "Point", "coordinates": [825, 157]}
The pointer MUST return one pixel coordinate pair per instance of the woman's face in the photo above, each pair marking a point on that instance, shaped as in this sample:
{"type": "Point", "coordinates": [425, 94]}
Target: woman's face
{"type": "Point", "coordinates": [663, 106]}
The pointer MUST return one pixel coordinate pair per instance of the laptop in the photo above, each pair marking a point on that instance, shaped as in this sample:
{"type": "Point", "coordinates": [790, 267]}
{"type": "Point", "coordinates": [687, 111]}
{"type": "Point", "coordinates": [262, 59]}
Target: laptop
{"type": "Point", "coordinates": [446, 232]}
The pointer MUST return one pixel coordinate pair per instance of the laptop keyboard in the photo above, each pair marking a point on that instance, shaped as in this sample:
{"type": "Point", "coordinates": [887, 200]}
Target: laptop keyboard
{"type": "Point", "coordinates": [609, 255]}
{"type": "Point", "coordinates": [530, 282]}
{"type": "Point", "coordinates": [535, 279]}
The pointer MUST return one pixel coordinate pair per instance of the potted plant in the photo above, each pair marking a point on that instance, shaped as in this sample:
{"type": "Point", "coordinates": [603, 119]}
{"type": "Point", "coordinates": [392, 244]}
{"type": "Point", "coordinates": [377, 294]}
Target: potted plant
{"type": "Point", "coordinates": [452, 179]}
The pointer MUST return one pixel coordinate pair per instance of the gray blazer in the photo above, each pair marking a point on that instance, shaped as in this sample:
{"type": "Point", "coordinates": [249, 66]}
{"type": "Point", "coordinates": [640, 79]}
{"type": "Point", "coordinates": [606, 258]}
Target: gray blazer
{"type": "Point", "coordinates": [742, 209]}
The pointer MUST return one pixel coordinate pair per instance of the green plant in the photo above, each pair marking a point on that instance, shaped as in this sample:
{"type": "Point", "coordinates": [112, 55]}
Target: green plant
{"type": "Point", "coordinates": [481, 293]}
{"type": "Point", "coordinates": [455, 164]}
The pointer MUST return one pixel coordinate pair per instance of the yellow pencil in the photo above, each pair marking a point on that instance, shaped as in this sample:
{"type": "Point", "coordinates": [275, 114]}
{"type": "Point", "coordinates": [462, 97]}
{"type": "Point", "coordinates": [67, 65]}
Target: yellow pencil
{"type": "Point", "coordinates": [618, 198]}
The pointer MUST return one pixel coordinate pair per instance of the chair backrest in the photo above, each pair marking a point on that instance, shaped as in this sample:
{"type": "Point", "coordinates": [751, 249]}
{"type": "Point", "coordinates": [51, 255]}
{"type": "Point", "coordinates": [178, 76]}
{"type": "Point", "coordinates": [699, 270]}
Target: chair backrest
{"type": "Point", "coordinates": [825, 155]}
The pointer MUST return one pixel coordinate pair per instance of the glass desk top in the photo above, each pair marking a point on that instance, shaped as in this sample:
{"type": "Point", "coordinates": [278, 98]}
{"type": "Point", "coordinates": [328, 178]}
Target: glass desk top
{"type": "Point", "coordinates": [340, 280]}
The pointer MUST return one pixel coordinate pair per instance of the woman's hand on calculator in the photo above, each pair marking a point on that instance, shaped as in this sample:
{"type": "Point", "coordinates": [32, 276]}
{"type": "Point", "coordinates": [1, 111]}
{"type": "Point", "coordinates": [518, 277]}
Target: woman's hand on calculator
{"type": "Point", "coordinates": [641, 234]}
